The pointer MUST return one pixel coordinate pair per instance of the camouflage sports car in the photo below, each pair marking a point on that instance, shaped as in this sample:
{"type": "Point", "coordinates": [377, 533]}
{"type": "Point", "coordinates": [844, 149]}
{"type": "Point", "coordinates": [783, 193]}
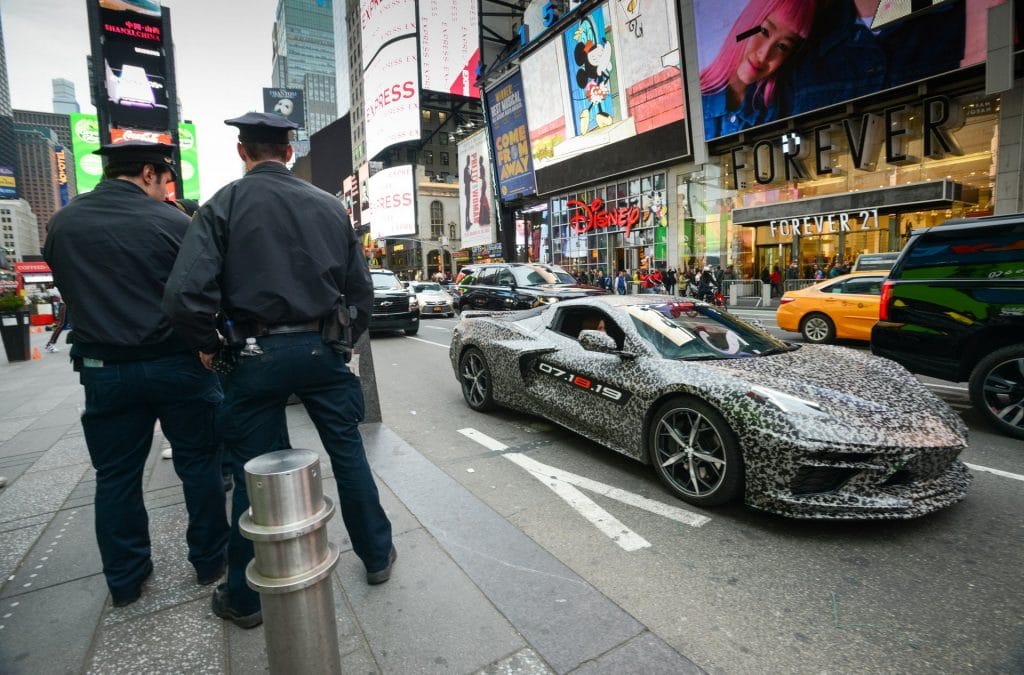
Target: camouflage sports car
{"type": "Point", "coordinates": [720, 408]}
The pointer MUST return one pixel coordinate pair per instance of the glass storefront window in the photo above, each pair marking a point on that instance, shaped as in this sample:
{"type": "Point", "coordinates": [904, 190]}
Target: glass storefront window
{"type": "Point", "coordinates": [607, 249]}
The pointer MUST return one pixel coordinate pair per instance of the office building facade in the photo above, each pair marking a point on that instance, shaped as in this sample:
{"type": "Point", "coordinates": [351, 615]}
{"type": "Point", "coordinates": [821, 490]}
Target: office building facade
{"type": "Point", "coordinates": [38, 181]}
{"type": "Point", "coordinates": [19, 231]}
{"type": "Point", "coordinates": [303, 55]}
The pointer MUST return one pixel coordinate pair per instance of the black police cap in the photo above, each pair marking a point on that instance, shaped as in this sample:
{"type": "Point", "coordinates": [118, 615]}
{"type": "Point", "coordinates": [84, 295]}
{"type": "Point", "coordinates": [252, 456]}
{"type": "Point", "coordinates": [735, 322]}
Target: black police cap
{"type": "Point", "coordinates": [139, 151]}
{"type": "Point", "coordinates": [257, 127]}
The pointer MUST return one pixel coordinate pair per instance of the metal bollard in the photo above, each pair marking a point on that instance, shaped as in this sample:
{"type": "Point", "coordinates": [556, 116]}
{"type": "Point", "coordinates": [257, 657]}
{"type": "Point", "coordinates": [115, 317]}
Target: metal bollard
{"type": "Point", "coordinates": [292, 568]}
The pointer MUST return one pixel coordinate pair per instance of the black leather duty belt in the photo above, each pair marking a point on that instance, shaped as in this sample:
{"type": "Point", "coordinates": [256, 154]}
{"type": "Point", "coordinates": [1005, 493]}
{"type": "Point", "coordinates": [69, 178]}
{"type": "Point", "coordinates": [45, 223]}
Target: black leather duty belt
{"type": "Point", "coordinates": [280, 328]}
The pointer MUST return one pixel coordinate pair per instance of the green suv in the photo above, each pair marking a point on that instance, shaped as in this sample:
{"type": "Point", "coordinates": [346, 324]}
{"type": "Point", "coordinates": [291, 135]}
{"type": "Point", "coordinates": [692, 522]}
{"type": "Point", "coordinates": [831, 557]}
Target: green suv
{"type": "Point", "coordinates": [953, 308]}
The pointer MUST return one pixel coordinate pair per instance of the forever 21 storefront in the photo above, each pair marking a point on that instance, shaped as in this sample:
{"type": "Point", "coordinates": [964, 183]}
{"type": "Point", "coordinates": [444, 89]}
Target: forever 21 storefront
{"type": "Point", "coordinates": [831, 184]}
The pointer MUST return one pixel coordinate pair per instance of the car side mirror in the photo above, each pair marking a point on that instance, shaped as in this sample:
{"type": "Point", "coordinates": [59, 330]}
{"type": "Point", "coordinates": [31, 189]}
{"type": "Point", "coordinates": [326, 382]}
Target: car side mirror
{"type": "Point", "coordinates": [598, 341]}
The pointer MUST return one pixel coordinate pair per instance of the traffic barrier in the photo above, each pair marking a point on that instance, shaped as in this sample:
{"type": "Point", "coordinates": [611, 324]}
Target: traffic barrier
{"type": "Point", "coordinates": [797, 284]}
{"type": "Point", "coordinates": [744, 292]}
{"type": "Point", "coordinates": [293, 560]}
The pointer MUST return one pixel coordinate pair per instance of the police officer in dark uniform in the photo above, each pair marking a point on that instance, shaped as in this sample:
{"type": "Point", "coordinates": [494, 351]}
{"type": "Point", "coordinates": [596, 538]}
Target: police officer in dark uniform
{"type": "Point", "coordinates": [278, 258]}
{"type": "Point", "coordinates": [111, 251]}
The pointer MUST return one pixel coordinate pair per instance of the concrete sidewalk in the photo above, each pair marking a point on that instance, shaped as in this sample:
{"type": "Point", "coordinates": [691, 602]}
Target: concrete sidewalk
{"type": "Point", "coordinates": [470, 592]}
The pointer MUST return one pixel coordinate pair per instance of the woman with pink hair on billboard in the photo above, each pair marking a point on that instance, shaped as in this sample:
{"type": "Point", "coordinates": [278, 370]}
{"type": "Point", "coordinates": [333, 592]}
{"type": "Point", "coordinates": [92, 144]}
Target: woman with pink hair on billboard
{"type": "Point", "coordinates": [738, 88]}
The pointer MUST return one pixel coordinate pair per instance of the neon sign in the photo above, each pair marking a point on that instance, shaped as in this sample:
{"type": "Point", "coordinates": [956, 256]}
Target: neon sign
{"type": "Point", "coordinates": [592, 216]}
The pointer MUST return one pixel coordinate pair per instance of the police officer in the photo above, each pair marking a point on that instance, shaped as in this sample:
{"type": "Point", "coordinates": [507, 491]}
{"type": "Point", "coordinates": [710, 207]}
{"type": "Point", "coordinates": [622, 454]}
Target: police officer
{"type": "Point", "coordinates": [111, 250]}
{"type": "Point", "coordinates": [277, 257]}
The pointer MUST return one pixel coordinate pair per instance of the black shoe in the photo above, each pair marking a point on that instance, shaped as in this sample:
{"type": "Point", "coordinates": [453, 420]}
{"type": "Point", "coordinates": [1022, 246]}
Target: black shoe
{"type": "Point", "coordinates": [125, 599]}
{"type": "Point", "coordinates": [229, 482]}
{"type": "Point", "coordinates": [219, 605]}
{"type": "Point", "coordinates": [374, 578]}
{"type": "Point", "coordinates": [206, 580]}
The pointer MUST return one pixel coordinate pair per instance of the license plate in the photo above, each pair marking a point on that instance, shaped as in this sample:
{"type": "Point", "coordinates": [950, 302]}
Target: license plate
{"type": "Point", "coordinates": [438, 309]}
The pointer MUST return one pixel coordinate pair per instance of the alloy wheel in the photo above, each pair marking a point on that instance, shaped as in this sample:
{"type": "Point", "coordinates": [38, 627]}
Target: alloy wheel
{"type": "Point", "coordinates": [476, 380]}
{"type": "Point", "coordinates": [1004, 392]}
{"type": "Point", "coordinates": [816, 329]}
{"type": "Point", "coordinates": [690, 452]}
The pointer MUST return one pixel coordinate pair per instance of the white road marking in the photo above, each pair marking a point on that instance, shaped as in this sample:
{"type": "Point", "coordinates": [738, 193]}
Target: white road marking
{"type": "Point", "coordinates": [436, 327]}
{"type": "Point", "coordinates": [611, 526]}
{"type": "Point", "coordinates": [566, 484]}
{"type": "Point", "coordinates": [1004, 474]}
{"type": "Point", "coordinates": [436, 344]}
{"type": "Point", "coordinates": [651, 506]}
{"type": "Point", "coordinates": [483, 439]}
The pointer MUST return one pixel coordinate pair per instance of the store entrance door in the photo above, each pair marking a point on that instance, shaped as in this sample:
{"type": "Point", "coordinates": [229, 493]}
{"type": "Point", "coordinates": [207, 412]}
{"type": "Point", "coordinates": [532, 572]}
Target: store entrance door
{"type": "Point", "coordinates": [770, 256]}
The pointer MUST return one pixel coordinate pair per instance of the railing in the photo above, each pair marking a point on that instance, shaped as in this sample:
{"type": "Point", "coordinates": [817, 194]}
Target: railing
{"type": "Point", "coordinates": [797, 284]}
{"type": "Point", "coordinates": [743, 292]}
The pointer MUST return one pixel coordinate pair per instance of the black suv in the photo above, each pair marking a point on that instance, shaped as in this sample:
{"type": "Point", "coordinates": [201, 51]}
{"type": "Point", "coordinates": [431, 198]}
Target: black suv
{"type": "Point", "coordinates": [508, 286]}
{"type": "Point", "coordinates": [953, 308]}
{"type": "Point", "coordinates": [394, 307]}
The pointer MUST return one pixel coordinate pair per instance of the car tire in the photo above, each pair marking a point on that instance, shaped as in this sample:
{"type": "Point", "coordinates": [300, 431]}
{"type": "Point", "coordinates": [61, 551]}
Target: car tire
{"type": "Point", "coordinates": [707, 473]}
{"type": "Point", "coordinates": [475, 378]}
{"type": "Point", "coordinates": [997, 384]}
{"type": "Point", "coordinates": [817, 328]}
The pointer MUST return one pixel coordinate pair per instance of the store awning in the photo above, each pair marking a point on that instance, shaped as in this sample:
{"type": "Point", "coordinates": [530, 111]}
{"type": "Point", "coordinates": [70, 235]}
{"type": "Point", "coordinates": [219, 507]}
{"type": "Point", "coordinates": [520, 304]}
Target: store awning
{"type": "Point", "coordinates": [939, 194]}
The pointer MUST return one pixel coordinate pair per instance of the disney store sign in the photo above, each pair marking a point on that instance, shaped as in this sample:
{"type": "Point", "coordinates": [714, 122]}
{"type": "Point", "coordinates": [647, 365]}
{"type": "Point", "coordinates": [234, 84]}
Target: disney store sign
{"type": "Point", "coordinates": [823, 224]}
{"type": "Point", "coordinates": [592, 216]}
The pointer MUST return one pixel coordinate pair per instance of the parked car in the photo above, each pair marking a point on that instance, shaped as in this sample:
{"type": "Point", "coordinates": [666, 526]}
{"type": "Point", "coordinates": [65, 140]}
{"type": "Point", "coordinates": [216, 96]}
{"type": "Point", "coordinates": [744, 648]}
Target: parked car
{"type": "Point", "coordinates": [432, 298]}
{"type": "Point", "coordinates": [845, 307]}
{"type": "Point", "coordinates": [720, 409]}
{"type": "Point", "coordinates": [394, 307]}
{"type": "Point", "coordinates": [875, 262]}
{"type": "Point", "coordinates": [505, 286]}
{"type": "Point", "coordinates": [953, 308]}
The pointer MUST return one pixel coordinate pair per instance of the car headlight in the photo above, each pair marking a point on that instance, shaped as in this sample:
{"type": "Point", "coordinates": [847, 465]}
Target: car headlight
{"type": "Point", "coordinates": [785, 402]}
{"type": "Point", "coordinates": [413, 303]}
{"type": "Point", "coordinates": [547, 299]}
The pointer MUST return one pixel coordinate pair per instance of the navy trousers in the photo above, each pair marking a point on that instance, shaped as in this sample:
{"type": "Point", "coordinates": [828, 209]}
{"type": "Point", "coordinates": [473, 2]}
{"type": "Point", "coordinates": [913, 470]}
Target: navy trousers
{"type": "Point", "coordinates": [255, 395]}
{"type": "Point", "coordinates": [123, 401]}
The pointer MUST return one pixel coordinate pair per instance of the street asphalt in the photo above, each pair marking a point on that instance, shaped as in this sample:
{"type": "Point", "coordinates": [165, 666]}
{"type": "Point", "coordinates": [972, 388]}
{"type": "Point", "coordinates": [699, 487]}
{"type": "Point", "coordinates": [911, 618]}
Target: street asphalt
{"type": "Point", "coordinates": [470, 593]}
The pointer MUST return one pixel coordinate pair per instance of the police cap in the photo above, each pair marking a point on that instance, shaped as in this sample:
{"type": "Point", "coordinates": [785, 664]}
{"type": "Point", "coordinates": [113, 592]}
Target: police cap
{"type": "Point", "coordinates": [257, 127]}
{"type": "Point", "coordinates": [139, 151]}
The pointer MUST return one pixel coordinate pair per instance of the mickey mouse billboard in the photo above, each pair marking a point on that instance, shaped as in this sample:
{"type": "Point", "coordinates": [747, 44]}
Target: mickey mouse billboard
{"type": "Point", "coordinates": [619, 104]}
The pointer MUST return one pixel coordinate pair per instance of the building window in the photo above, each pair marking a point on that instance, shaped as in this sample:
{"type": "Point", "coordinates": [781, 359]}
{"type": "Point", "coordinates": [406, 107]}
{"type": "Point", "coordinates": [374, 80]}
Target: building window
{"type": "Point", "coordinates": [442, 116]}
{"type": "Point", "coordinates": [425, 114]}
{"type": "Point", "coordinates": [443, 136]}
{"type": "Point", "coordinates": [428, 156]}
{"type": "Point", "coordinates": [436, 219]}
{"type": "Point", "coordinates": [451, 231]}
{"type": "Point", "coordinates": [444, 158]}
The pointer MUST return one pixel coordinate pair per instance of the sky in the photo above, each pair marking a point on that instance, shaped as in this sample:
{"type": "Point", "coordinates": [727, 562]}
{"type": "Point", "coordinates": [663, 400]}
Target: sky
{"type": "Point", "coordinates": [222, 51]}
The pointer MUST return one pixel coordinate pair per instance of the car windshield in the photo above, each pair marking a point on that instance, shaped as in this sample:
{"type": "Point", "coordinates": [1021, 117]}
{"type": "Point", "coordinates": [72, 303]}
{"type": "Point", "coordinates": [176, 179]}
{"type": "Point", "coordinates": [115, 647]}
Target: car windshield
{"type": "Point", "coordinates": [535, 275]}
{"type": "Point", "coordinates": [386, 282]}
{"type": "Point", "coordinates": [689, 331]}
{"type": "Point", "coordinates": [424, 288]}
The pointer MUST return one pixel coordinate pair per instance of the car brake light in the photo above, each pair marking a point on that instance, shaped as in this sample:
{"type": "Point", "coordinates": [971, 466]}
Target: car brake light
{"type": "Point", "coordinates": [784, 300]}
{"type": "Point", "coordinates": [883, 303]}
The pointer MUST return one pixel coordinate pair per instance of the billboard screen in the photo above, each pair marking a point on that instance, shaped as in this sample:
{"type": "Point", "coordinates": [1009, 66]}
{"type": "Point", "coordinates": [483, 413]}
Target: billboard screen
{"type": "Point", "coordinates": [8, 183]}
{"type": "Point", "coordinates": [510, 137]}
{"type": "Point", "coordinates": [765, 60]}
{"type": "Point", "coordinates": [450, 46]}
{"type": "Point", "coordinates": [611, 82]}
{"type": "Point", "coordinates": [390, 74]}
{"type": "Point", "coordinates": [188, 150]}
{"type": "Point", "coordinates": [286, 103]}
{"type": "Point", "coordinates": [393, 200]}
{"type": "Point", "coordinates": [134, 67]}
{"type": "Point", "coordinates": [476, 199]}
{"type": "Point", "coordinates": [85, 139]}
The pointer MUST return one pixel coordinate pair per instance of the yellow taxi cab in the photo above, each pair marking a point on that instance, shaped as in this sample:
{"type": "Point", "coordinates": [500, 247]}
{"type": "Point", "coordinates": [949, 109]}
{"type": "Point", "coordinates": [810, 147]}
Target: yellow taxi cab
{"type": "Point", "coordinates": [845, 307]}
